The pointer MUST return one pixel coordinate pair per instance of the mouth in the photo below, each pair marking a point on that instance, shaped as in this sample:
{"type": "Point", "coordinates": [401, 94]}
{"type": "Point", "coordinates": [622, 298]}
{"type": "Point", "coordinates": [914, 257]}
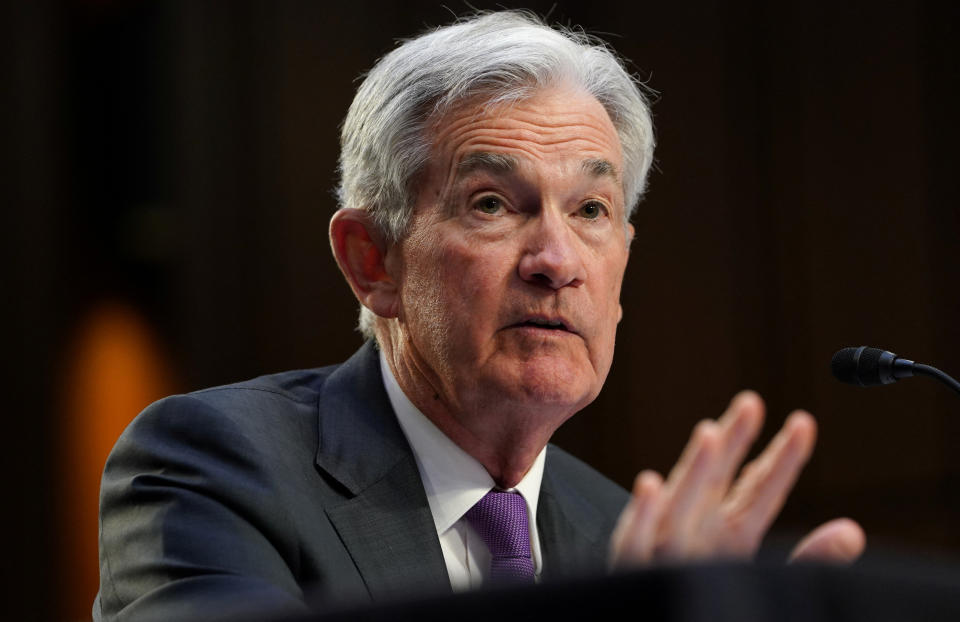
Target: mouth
{"type": "Point", "coordinates": [546, 323]}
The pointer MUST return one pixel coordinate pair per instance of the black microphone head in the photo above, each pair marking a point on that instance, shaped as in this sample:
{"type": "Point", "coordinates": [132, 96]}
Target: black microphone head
{"type": "Point", "coordinates": [863, 366]}
{"type": "Point", "coordinates": [843, 365]}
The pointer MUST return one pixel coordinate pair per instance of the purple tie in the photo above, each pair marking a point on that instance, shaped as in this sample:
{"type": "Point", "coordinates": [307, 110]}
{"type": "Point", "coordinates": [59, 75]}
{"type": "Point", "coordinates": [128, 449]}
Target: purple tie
{"type": "Point", "coordinates": [501, 520]}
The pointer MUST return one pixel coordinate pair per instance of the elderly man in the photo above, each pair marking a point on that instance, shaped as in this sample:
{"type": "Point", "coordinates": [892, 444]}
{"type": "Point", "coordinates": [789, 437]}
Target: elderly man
{"type": "Point", "coordinates": [489, 170]}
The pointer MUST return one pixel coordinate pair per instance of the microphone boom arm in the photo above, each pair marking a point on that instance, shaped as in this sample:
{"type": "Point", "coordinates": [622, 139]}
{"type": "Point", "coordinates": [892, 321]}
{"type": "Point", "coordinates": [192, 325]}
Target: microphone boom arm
{"type": "Point", "coordinates": [927, 370]}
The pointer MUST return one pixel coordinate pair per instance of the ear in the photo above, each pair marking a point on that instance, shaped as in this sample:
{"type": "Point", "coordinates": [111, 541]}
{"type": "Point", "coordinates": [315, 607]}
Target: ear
{"type": "Point", "coordinates": [360, 252]}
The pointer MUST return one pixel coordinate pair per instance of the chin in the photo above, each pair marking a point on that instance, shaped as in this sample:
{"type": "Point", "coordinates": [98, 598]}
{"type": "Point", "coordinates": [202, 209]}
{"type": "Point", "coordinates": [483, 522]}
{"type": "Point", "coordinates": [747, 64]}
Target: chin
{"type": "Point", "coordinates": [566, 387]}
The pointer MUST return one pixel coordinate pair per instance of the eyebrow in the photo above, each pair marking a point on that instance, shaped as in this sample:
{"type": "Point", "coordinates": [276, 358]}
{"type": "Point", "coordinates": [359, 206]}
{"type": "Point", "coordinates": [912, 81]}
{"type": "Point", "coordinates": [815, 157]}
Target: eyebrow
{"type": "Point", "coordinates": [486, 161]}
{"type": "Point", "coordinates": [598, 167]}
{"type": "Point", "coordinates": [503, 163]}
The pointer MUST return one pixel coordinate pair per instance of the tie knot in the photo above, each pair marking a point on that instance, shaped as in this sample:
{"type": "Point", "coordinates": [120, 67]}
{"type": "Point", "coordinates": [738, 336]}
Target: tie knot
{"type": "Point", "coordinates": [500, 519]}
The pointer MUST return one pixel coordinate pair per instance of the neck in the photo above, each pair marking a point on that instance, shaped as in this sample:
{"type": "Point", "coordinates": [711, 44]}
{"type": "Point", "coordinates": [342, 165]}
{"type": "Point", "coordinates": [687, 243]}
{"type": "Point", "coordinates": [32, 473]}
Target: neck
{"type": "Point", "coordinates": [504, 437]}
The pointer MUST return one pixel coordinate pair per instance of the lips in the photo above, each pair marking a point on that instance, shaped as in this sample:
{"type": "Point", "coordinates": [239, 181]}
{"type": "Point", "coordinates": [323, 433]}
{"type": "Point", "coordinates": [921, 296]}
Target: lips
{"type": "Point", "coordinates": [545, 322]}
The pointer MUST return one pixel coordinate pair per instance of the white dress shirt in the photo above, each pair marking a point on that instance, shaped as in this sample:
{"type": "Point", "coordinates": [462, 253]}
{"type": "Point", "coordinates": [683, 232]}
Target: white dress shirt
{"type": "Point", "coordinates": [454, 482]}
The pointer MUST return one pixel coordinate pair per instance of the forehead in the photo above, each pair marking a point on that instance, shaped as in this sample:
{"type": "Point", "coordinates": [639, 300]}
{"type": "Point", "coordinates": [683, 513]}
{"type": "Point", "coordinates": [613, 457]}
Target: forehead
{"type": "Point", "coordinates": [553, 124]}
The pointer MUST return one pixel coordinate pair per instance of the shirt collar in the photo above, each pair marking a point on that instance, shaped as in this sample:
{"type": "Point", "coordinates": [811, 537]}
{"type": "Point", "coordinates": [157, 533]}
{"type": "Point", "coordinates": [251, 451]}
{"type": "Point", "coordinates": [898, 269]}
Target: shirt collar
{"type": "Point", "coordinates": [453, 479]}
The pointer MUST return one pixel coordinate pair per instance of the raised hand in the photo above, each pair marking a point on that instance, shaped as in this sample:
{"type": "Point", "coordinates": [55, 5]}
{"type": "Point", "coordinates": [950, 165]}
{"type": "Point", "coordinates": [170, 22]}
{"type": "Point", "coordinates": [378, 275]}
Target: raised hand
{"type": "Point", "coordinates": [700, 512]}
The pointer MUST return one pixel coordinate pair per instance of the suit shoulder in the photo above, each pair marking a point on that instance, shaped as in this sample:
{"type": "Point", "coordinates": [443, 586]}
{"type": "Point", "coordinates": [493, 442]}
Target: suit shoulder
{"type": "Point", "coordinates": [268, 407]}
{"type": "Point", "coordinates": [301, 385]}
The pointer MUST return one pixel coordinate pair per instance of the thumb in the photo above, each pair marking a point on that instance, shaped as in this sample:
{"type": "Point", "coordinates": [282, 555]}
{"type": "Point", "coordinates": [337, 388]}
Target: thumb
{"type": "Point", "coordinates": [840, 541]}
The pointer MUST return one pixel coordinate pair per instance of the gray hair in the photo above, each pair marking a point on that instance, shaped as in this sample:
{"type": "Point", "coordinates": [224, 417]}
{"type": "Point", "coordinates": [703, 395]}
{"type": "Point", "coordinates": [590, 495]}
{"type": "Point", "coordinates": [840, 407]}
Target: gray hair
{"type": "Point", "coordinates": [504, 57]}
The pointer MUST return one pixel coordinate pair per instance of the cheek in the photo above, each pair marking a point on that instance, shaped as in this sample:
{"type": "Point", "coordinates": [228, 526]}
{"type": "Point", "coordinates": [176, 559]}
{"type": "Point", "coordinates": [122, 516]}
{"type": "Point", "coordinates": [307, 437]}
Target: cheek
{"type": "Point", "coordinates": [476, 271]}
{"type": "Point", "coordinates": [608, 275]}
{"type": "Point", "coordinates": [609, 305]}
{"type": "Point", "coordinates": [454, 286]}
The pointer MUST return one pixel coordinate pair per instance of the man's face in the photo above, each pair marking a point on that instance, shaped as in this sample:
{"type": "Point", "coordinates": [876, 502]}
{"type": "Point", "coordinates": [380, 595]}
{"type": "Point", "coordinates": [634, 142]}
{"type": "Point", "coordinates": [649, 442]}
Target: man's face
{"type": "Point", "coordinates": [511, 272]}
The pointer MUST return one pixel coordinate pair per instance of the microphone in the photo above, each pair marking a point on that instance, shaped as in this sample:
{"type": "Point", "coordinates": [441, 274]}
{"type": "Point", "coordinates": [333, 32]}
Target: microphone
{"type": "Point", "coordinates": [869, 367]}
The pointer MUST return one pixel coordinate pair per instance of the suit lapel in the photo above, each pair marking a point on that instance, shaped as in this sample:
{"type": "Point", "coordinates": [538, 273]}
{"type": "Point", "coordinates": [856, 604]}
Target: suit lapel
{"type": "Point", "coordinates": [384, 520]}
{"type": "Point", "coordinates": [572, 537]}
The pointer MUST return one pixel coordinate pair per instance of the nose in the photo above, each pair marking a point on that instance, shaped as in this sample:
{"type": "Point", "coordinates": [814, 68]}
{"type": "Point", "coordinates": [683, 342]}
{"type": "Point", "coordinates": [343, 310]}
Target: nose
{"type": "Point", "coordinates": [552, 256]}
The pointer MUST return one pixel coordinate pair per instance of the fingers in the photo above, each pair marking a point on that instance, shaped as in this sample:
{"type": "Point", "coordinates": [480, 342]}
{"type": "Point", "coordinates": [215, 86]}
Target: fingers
{"type": "Point", "coordinates": [737, 428]}
{"type": "Point", "coordinates": [634, 537]}
{"type": "Point", "coordinates": [701, 512]}
{"type": "Point", "coordinates": [697, 485]}
{"type": "Point", "coordinates": [840, 541]}
{"type": "Point", "coordinates": [688, 485]}
{"type": "Point", "coordinates": [741, 424]}
{"type": "Point", "coordinates": [762, 488]}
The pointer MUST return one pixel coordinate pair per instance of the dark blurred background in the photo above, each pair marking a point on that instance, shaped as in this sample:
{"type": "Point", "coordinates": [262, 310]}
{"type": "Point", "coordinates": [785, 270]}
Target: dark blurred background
{"type": "Point", "coordinates": [167, 173]}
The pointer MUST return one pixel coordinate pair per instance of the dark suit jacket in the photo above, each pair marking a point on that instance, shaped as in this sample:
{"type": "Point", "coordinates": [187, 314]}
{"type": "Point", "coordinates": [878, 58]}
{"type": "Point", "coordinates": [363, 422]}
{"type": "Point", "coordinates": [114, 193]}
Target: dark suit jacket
{"type": "Point", "coordinates": [292, 488]}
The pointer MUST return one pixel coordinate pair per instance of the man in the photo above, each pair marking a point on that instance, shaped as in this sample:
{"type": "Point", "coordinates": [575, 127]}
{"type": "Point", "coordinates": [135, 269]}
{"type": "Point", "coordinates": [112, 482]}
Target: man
{"type": "Point", "coordinates": [489, 170]}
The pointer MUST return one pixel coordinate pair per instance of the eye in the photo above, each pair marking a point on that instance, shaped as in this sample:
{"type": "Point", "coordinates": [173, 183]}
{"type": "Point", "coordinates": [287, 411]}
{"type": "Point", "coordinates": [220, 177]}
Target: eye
{"type": "Point", "coordinates": [488, 205]}
{"type": "Point", "coordinates": [591, 210]}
